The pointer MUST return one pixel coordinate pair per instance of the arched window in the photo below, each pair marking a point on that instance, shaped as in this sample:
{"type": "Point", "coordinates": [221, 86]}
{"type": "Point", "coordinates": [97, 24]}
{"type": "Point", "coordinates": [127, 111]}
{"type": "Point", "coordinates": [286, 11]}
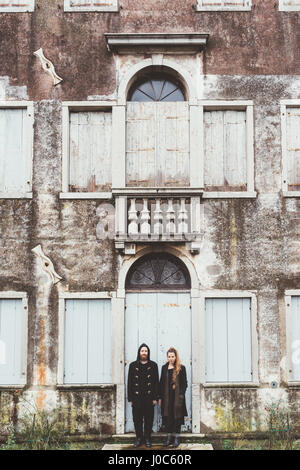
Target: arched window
{"type": "Point", "coordinates": [156, 87]}
{"type": "Point", "coordinates": [159, 271]}
{"type": "Point", "coordinates": [157, 131]}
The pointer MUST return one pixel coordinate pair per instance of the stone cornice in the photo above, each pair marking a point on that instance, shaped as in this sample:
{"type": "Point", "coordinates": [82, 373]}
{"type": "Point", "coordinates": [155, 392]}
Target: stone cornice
{"type": "Point", "coordinates": [170, 43]}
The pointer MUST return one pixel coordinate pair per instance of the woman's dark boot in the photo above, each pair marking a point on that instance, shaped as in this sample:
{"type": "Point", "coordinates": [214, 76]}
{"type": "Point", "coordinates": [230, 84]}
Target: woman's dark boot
{"type": "Point", "coordinates": [176, 441]}
{"type": "Point", "coordinates": [169, 440]}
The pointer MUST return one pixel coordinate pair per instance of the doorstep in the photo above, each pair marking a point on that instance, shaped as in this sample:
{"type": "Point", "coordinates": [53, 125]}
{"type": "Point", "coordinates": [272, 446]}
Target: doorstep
{"type": "Point", "coordinates": [155, 446]}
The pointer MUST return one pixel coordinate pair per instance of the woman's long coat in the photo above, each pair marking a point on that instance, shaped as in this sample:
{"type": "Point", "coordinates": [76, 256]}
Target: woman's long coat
{"type": "Point", "coordinates": [181, 385]}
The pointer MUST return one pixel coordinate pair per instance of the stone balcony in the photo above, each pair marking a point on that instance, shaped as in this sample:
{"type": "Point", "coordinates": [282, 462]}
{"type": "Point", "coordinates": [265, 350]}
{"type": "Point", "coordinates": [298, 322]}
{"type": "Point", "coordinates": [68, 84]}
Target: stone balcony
{"type": "Point", "coordinates": [152, 218]}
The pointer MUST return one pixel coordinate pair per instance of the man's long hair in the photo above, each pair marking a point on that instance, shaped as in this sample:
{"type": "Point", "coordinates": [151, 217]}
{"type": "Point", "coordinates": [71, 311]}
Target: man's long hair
{"type": "Point", "coordinates": [177, 366]}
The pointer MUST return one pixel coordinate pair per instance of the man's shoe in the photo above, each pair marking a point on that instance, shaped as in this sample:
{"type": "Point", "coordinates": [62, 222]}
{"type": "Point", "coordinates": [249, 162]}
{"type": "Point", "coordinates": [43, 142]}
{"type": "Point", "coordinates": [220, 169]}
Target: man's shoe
{"type": "Point", "coordinates": [148, 443]}
{"type": "Point", "coordinates": [137, 443]}
{"type": "Point", "coordinates": [168, 441]}
{"type": "Point", "coordinates": [176, 442]}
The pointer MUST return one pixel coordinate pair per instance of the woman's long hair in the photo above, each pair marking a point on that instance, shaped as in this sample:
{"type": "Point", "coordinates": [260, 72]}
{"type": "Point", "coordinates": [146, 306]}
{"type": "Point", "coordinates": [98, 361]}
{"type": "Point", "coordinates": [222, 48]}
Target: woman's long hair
{"type": "Point", "coordinates": [177, 366]}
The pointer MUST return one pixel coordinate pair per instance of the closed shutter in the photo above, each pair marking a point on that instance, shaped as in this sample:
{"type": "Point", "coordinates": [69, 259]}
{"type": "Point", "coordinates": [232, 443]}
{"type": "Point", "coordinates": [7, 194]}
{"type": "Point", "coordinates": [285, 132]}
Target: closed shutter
{"type": "Point", "coordinates": [224, 4]}
{"type": "Point", "coordinates": [292, 5]}
{"type": "Point", "coordinates": [23, 5]}
{"type": "Point", "coordinates": [13, 149]}
{"type": "Point", "coordinates": [157, 152]}
{"type": "Point", "coordinates": [293, 148]}
{"type": "Point", "coordinates": [87, 341]}
{"type": "Point", "coordinates": [92, 4]}
{"type": "Point", "coordinates": [228, 340]}
{"type": "Point", "coordinates": [225, 150]}
{"type": "Point", "coordinates": [141, 144]}
{"type": "Point", "coordinates": [295, 309]}
{"type": "Point", "coordinates": [10, 341]}
{"type": "Point", "coordinates": [173, 145]}
{"type": "Point", "coordinates": [90, 151]}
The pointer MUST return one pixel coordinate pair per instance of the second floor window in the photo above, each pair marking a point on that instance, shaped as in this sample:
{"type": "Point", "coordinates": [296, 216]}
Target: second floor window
{"type": "Point", "coordinates": [16, 140]}
{"type": "Point", "coordinates": [157, 133]}
{"type": "Point", "coordinates": [91, 5]}
{"type": "Point", "coordinates": [12, 6]}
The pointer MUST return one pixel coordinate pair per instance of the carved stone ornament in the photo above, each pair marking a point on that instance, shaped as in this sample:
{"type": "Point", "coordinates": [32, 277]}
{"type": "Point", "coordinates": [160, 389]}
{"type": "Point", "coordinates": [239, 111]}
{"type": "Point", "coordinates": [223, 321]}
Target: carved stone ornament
{"type": "Point", "coordinates": [46, 264]}
{"type": "Point", "coordinates": [48, 66]}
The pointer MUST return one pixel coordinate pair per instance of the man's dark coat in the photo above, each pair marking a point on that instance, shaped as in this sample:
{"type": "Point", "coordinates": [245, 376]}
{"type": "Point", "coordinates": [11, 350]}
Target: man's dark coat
{"type": "Point", "coordinates": [134, 385]}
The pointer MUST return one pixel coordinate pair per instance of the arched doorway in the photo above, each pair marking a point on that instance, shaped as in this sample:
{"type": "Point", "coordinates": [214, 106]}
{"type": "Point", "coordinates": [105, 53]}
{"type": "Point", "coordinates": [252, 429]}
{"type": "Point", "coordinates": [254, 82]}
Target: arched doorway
{"type": "Point", "coordinates": [158, 312]}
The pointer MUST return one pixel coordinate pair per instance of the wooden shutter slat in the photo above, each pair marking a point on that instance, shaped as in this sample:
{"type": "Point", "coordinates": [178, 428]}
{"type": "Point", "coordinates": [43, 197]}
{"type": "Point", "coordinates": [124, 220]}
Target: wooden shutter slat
{"type": "Point", "coordinates": [172, 153]}
{"type": "Point", "coordinates": [99, 342]}
{"type": "Point", "coordinates": [76, 337]}
{"type": "Point", "coordinates": [216, 344]}
{"type": "Point", "coordinates": [239, 340]}
{"type": "Point", "coordinates": [141, 144]}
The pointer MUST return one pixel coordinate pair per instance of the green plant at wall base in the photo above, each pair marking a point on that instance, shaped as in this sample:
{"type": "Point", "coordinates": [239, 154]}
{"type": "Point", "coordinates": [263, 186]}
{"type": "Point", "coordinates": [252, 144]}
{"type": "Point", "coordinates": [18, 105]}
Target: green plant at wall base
{"type": "Point", "coordinates": [279, 426]}
{"type": "Point", "coordinates": [227, 444]}
{"type": "Point", "coordinates": [37, 429]}
{"type": "Point", "coordinates": [11, 442]}
{"type": "Point", "coordinates": [41, 430]}
{"type": "Point", "coordinates": [227, 420]}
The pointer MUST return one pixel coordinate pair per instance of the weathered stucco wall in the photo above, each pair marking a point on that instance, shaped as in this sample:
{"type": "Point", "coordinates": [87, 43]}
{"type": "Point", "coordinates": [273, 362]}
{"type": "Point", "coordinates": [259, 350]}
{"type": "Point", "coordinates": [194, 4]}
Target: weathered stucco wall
{"type": "Point", "coordinates": [247, 244]}
{"type": "Point", "coordinates": [241, 43]}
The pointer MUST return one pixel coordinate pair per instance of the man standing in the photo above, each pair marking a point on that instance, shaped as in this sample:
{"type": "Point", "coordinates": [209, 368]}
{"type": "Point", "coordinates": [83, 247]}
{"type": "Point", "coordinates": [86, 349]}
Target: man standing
{"type": "Point", "coordinates": [143, 394]}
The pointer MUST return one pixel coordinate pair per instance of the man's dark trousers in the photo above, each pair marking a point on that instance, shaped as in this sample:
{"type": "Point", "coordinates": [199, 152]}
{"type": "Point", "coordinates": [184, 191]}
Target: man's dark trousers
{"type": "Point", "coordinates": [143, 410]}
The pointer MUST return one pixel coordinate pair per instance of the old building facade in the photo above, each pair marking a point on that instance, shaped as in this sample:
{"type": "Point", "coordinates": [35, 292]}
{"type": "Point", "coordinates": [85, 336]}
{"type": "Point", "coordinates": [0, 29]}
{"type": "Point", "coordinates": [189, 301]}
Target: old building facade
{"type": "Point", "coordinates": [149, 192]}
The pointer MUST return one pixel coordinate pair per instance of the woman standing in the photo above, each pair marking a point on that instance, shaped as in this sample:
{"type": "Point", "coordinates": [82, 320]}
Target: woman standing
{"type": "Point", "coordinates": [172, 387]}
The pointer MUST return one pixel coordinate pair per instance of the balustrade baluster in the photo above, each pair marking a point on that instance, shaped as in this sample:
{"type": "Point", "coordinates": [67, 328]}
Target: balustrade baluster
{"type": "Point", "coordinates": [158, 218]}
{"type": "Point", "coordinates": [182, 218]}
{"type": "Point", "coordinates": [145, 217]}
{"type": "Point", "coordinates": [133, 228]}
{"type": "Point", "coordinates": [170, 227]}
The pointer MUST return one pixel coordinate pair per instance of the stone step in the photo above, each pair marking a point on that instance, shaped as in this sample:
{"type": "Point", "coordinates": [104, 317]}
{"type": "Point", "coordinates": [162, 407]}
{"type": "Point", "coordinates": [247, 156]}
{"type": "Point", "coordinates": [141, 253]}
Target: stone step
{"type": "Point", "coordinates": [155, 446]}
{"type": "Point", "coordinates": [159, 438]}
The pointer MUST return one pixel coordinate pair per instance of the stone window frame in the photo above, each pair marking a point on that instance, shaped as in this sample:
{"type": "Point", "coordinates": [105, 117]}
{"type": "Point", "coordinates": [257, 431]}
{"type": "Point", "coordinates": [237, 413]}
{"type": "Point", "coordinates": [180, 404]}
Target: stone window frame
{"type": "Point", "coordinates": [231, 294]}
{"type": "Point", "coordinates": [103, 8]}
{"type": "Point", "coordinates": [247, 7]}
{"type": "Point", "coordinates": [284, 104]}
{"type": "Point", "coordinates": [6, 295]}
{"type": "Point", "coordinates": [115, 359]}
{"type": "Point", "coordinates": [282, 7]}
{"type": "Point", "coordinates": [30, 119]}
{"type": "Point", "coordinates": [67, 107]}
{"type": "Point", "coordinates": [246, 105]}
{"type": "Point", "coordinates": [18, 9]}
{"type": "Point", "coordinates": [288, 331]}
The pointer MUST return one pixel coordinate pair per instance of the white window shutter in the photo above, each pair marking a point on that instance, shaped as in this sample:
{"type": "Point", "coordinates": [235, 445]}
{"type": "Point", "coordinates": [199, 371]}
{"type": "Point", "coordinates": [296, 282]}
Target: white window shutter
{"type": "Point", "coordinates": [214, 5]}
{"type": "Point", "coordinates": [141, 144]}
{"type": "Point", "coordinates": [10, 341]}
{"type": "Point", "coordinates": [173, 142]}
{"type": "Point", "coordinates": [90, 151]}
{"type": "Point", "coordinates": [157, 151]}
{"type": "Point", "coordinates": [225, 150]}
{"type": "Point", "coordinates": [17, 5]}
{"type": "Point", "coordinates": [87, 341]}
{"type": "Point", "coordinates": [228, 340]}
{"type": "Point", "coordinates": [216, 341]}
{"type": "Point", "coordinates": [91, 5]}
{"type": "Point", "coordinates": [289, 5]}
{"type": "Point", "coordinates": [14, 141]}
{"type": "Point", "coordinates": [295, 337]}
{"type": "Point", "coordinates": [293, 148]}
{"type": "Point", "coordinates": [239, 340]}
